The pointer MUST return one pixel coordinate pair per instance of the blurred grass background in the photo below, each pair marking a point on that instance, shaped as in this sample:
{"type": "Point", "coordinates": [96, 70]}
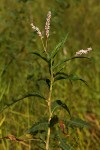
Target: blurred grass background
{"type": "Point", "coordinates": [19, 70]}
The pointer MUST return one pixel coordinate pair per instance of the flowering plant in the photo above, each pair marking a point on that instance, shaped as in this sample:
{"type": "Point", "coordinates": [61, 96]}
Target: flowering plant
{"type": "Point", "coordinates": [53, 121]}
{"type": "Point", "coordinates": [53, 132]}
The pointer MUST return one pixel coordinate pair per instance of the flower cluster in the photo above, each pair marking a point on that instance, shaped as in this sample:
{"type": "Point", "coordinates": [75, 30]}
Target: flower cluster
{"type": "Point", "coordinates": [83, 51]}
{"type": "Point", "coordinates": [47, 25]}
{"type": "Point", "coordinates": [37, 30]}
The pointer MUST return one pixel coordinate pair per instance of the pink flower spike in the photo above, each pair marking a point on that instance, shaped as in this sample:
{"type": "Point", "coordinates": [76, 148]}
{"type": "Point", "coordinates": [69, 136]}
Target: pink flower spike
{"type": "Point", "coordinates": [83, 51]}
{"type": "Point", "coordinates": [47, 25]}
{"type": "Point", "coordinates": [37, 30]}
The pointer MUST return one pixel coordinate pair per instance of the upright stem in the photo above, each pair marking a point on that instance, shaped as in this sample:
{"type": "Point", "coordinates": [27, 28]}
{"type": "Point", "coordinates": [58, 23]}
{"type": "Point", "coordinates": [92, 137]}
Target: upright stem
{"type": "Point", "coordinates": [44, 47]}
{"type": "Point", "coordinates": [49, 107]}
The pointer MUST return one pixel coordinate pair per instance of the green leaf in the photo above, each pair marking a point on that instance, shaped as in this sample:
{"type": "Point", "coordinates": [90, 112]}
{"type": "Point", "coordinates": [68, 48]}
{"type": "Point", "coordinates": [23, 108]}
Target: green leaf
{"type": "Point", "coordinates": [54, 120]}
{"type": "Point", "coordinates": [74, 77]}
{"type": "Point", "coordinates": [62, 142]}
{"type": "Point", "coordinates": [71, 77]}
{"type": "Point", "coordinates": [77, 122]}
{"type": "Point", "coordinates": [58, 103]}
{"type": "Point", "coordinates": [30, 95]}
{"type": "Point", "coordinates": [68, 59]}
{"type": "Point", "coordinates": [57, 48]}
{"type": "Point", "coordinates": [40, 55]}
{"type": "Point", "coordinates": [60, 76]}
{"type": "Point", "coordinates": [60, 73]}
{"type": "Point", "coordinates": [23, 97]}
{"type": "Point", "coordinates": [47, 81]}
{"type": "Point", "coordinates": [39, 126]}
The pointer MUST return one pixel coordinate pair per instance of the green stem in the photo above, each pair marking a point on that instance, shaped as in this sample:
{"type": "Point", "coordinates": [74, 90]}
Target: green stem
{"type": "Point", "coordinates": [46, 43]}
{"type": "Point", "coordinates": [49, 107]}
{"type": "Point", "coordinates": [44, 46]}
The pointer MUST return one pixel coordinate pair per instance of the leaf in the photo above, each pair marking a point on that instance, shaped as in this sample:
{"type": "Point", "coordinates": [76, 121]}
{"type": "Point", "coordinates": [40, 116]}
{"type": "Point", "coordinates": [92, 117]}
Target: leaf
{"type": "Point", "coordinates": [23, 97]}
{"type": "Point", "coordinates": [39, 126]}
{"type": "Point", "coordinates": [30, 95]}
{"type": "Point", "coordinates": [60, 76]}
{"type": "Point", "coordinates": [71, 77]}
{"type": "Point", "coordinates": [60, 73]}
{"type": "Point", "coordinates": [57, 48]}
{"type": "Point", "coordinates": [40, 55]}
{"type": "Point", "coordinates": [63, 105]}
{"type": "Point", "coordinates": [68, 59]}
{"type": "Point", "coordinates": [54, 120]}
{"type": "Point", "coordinates": [74, 77]}
{"type": "Point", "coordinates": [58, 103]}
{"type": "Point", "coordinates": [46, 80]}
{"type": "Point", "coordinates": [77, 122]}
{"type": "Point", "coordinates": [62, 142]}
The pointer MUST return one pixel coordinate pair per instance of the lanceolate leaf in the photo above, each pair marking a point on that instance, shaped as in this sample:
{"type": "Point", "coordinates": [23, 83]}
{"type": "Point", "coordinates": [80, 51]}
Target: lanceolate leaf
{"type": "Point", "coordinates": [61, 76]}
{"type": "Point", "coordinates": [68, 59]}
{"type": "Point", "coordinates": [60, 73]}
{"type": "Point", "coordinates": [39, 126]}
{"type": "Point", "coordinates": [74, 77]}
{"type": "Point", "coordinates": [58, 103]}
{"type": "Point", "coordinates": [57, 48]}
{"type": "Point", "coordinates": [40, 55]}
{"type": "Point", "coordinates": [47, 81]}
{"type": "Point", "coordinates": [54, 120]}
{"type": "Point", "coordinates": [77, 122]}
{"type": "Point", "coordinates": [71, 77]}
{"type": "Point", "coordinates": [23, 97]}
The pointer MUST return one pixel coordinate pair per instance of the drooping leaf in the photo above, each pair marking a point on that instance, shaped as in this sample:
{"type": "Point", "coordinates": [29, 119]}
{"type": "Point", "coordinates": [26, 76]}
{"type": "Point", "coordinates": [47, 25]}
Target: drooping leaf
{"type": "Point", "coordinates": [54, 120]}
{"type": "Point", "coordinates": [47, 81]}
{"type": "Point", "coordinates": [63, 105]}
{"type": "Point", "coordinates": [74, 77]}
{"type": "Point", "coordinates": [40, 55]}
{"type": "Point", "coordinates": [57, 48]}
{"type": "Point", "coordinates": [68, 59]}
{"type": "Point", "coordinates": [38, 126]}
{"type": "Point", "coordinates": [60, 73]}
{"type": "Point", "coordinates": [71, 77]}
{"type": "Point", "coordinates": [60, 76]}
{"type": "Point", "coordinates": [23, 97]}
{"type": "Point", "coordinates": [77, 122]}
{"type": "Point", "coordinates": [59, 103]}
